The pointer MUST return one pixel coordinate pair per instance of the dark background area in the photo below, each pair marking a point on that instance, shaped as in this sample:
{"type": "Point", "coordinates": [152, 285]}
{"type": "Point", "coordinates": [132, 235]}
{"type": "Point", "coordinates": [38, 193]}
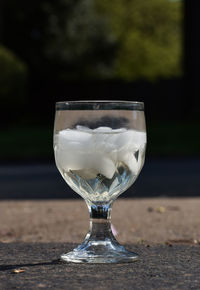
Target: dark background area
{"type": "Point", "coordinates": [39, 66]}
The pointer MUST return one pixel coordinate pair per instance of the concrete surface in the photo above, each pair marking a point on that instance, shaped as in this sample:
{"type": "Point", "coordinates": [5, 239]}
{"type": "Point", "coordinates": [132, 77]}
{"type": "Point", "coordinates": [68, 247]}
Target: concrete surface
{"type": "Point", "coordinates": [149, 220]}
{"type": "Point", "coordinates": [159, 267]}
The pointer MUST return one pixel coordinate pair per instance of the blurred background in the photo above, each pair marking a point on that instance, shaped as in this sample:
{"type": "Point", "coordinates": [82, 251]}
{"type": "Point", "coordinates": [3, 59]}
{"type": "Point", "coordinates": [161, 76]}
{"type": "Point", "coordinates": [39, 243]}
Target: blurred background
{"type": "Point", "coordinates": [94, 49]}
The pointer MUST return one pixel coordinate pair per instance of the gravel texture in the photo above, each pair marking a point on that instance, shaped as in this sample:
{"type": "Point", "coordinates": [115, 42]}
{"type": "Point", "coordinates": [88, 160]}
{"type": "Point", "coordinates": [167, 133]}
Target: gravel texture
{"type": "Point", "coordinates": [159, 267]}
{"type": "Point", "coordinates": [164, 232]}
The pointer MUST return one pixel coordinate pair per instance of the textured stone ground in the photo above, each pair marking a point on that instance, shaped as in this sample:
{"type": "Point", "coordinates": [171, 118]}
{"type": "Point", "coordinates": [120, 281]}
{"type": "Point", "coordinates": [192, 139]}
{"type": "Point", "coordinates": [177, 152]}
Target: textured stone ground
{"type": "Point", "coordinates": [135, 220]}
{"type": "Point", "coordinates": [159, 267]}
{"type": "Point", "coordinates": [164, 232]}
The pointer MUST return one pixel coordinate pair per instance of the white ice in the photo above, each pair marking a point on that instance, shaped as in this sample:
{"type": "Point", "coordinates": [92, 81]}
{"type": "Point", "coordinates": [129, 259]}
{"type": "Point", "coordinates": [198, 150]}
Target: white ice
{"type": "Point", "coordinates": [98, 150]}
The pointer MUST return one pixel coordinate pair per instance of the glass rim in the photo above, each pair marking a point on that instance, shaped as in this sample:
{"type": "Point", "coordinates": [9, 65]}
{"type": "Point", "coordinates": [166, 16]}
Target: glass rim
{"type": "Point", "coordinates": [100, 105]}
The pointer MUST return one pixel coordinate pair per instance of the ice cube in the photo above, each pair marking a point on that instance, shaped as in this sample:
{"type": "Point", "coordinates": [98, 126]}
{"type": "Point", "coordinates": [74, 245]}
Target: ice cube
{"type": "Point", "coordinates": [130, 160]}
{"type": "Point", "coordinates": [104, 165]}
{"type": "Point", "coordinates": [86, 173]}
{"type": "Point", "coordinates": [138, 138]}
{"type": "Point", "coordinates": [103, 129]}
{"type": "Point", "coordinates": [97, 151]}
{"type": "Point", "coordinates": [83, 128]}
{"type": "Point", "coordinates": [70, 160]}
{"type": "Point", "coordinates": [73, 141]}
{"type": "Point", "coordinates": [111, 142]}
{"type": "Point", "coordinates": [75, 157]}
{"type": "Point", "coordinates": [74, 135]}
{"type": "Point", "coordinates": [121, 130]}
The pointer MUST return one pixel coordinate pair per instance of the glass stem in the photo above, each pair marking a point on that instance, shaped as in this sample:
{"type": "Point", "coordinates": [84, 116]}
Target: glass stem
{"type": "Point", "coordinates": [100, 223]}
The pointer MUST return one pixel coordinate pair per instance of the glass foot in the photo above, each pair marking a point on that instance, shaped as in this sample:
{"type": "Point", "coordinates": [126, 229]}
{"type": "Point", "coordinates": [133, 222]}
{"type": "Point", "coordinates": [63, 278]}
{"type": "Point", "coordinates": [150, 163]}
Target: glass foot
{"type": "Point", "coordinates": [100, 252]}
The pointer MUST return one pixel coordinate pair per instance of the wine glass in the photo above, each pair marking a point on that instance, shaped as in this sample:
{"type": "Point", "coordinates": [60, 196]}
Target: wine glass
{"type": "Point", "coordinates": [99, 150]}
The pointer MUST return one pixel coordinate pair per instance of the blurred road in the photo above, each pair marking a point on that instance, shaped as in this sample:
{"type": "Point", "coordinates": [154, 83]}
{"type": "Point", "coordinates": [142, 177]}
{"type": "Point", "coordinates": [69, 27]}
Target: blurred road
{"type": "Point", "coordinates": [158, 178]}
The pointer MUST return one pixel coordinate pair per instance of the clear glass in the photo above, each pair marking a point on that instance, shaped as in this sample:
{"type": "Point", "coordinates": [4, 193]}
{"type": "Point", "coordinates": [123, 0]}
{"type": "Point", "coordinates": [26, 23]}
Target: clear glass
{"type": "Point", "coordinates": [99, 150]}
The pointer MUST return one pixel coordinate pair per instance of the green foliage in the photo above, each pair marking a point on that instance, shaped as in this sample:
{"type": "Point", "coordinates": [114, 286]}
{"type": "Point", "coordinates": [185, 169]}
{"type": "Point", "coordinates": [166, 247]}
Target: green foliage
{"type": "Point", "coordinates": [122, 39]}
{"type": "Point", "coordinates": [78, 38]}
{"type": "Point", "coordinates": [13, 78]}
{"type": "Point", "coordinates": [149, 37]}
